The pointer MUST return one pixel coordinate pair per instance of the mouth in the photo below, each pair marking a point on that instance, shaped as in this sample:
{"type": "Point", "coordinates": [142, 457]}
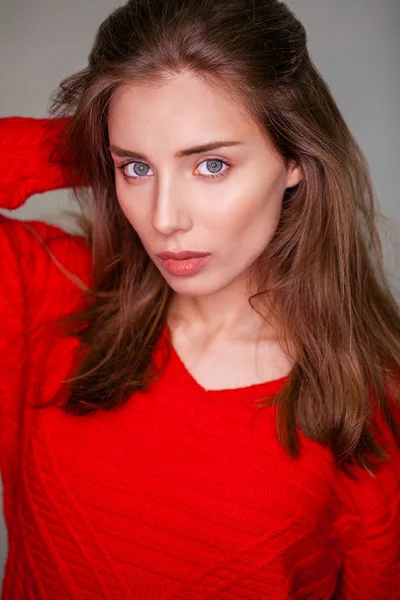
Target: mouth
{"type": "Point", "coordinates": [184, 266]}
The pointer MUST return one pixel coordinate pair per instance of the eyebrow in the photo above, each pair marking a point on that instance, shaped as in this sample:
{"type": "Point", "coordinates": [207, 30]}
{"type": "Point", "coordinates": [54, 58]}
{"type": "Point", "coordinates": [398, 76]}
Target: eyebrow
{"type": "Point", "coordinates": [122, 153]}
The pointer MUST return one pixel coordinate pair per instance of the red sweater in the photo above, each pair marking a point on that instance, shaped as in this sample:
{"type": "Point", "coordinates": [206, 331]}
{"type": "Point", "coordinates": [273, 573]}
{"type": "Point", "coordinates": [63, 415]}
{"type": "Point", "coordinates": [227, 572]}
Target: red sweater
{"type": "Point", "coordinates": [182, 493]}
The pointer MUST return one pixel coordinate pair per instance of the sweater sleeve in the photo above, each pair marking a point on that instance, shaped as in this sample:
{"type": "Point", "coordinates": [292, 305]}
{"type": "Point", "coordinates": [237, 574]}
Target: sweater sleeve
{"type": "Point", "coordinates": [26, 146]}
{"type": "Point", "coordinates": [43, 269]}
{"type": "Point", "coordinates": [30, 250]}
{"type": "Point", "coordinates": [369, 529]}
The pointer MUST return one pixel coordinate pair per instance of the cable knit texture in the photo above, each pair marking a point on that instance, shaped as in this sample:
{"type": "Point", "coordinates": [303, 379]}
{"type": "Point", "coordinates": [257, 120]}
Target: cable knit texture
{"type": "Point", "coordinates": [182, 493]}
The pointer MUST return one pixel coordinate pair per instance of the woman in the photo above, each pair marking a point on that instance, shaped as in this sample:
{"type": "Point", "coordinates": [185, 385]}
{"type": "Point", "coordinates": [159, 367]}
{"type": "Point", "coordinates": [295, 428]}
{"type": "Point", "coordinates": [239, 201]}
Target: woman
{"type": "Point", "coordinates": [239, 434]}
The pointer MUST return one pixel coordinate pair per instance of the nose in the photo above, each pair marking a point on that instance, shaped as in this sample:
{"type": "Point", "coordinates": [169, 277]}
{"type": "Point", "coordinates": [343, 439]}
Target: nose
{"type": "Point", "coordinates": [170, 211]}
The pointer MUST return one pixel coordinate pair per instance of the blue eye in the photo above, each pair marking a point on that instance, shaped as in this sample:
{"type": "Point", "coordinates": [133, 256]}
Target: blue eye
{"type": "Point", "coordinates": [214, 165]}
{"type": "Point", "coordinates": [140, 170]}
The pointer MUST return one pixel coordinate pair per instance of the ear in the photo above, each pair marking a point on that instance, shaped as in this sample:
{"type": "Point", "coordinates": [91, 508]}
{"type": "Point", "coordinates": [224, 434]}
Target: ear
{"type": "Point", "coordinates": [294, 174]}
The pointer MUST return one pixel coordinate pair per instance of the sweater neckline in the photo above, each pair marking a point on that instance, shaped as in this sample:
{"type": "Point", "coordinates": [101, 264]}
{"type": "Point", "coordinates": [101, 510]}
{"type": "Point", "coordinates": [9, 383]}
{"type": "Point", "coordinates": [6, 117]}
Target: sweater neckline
{"type": "Point", "coordinates": [257, 389]}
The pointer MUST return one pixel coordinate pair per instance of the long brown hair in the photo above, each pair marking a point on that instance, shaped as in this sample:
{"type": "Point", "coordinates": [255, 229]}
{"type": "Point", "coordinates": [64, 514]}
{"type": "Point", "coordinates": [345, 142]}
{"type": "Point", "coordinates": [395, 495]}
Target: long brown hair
{"type": "Point", "coordinates": [322, 274]}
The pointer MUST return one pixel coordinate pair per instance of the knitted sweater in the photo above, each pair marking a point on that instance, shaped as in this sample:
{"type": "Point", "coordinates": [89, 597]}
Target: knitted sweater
{"type": "Point", "coordinates": [182, 492]}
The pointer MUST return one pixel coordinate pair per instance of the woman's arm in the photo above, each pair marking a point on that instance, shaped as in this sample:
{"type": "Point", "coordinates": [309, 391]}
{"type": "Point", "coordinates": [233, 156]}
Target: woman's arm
{"type": "Point", "coordinates": [26, 145]}
{"type": "Point", "coordinates": [369, 529]}
{"type": "Point", "coordinates": [33, 254]}
{"type": "Point", "coordinates": [35, 260]}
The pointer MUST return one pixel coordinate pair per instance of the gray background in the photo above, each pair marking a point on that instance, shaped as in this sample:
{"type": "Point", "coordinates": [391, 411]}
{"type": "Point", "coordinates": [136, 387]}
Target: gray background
{"type": "Point", "coordinates": [354, 43]}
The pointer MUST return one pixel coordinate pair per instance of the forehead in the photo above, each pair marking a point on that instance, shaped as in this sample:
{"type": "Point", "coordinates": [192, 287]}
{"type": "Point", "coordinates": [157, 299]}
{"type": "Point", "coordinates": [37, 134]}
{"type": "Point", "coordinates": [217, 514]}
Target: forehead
{"type": "Point", "coordinates": [181, 107]}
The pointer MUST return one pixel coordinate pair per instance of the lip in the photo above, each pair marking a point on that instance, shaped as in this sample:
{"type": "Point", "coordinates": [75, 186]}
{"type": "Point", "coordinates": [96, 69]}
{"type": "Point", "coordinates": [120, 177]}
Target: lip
{"type": "Point", "coordinates": [184, 267]}
{"type": "Point", "coordinates": [182, 255]}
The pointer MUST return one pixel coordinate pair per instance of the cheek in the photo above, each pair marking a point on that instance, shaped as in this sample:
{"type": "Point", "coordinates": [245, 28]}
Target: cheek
{"type": "Point", "coordinates": [247, 217]}
{"type": "Point", "coordinates": [134, 210]}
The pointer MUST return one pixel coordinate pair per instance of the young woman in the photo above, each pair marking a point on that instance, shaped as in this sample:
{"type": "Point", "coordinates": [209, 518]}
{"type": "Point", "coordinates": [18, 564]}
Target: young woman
{"type": "Point", "coordinates": [200, 394]}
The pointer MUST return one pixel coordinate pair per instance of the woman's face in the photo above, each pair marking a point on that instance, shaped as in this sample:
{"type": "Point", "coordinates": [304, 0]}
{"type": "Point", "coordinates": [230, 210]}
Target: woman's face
{"type": "Point", "coordinates": [225, 201]}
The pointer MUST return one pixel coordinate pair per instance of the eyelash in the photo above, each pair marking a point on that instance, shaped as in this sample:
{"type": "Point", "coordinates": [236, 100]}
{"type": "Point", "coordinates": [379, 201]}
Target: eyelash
{"type": "Point", "coordinates": [222, 174]}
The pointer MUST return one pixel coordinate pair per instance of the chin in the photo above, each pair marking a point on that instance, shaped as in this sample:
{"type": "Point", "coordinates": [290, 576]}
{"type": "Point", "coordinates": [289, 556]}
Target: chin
{"type": "Point", "coordinates": [196, 287]}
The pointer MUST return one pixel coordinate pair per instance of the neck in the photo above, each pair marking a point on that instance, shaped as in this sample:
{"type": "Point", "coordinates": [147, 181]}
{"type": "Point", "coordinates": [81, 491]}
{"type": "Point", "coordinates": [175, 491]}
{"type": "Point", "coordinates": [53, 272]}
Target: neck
{"type": "Point", "coordinates": [224, 314]}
